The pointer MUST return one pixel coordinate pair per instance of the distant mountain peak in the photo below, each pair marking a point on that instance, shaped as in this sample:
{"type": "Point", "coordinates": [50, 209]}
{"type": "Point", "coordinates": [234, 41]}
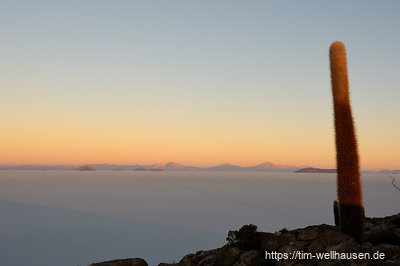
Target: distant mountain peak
{"type": "Point", "coordinates": [169, 166]}
{"type": "Point", "coordinates": [157, 166]}
{"type": "Point", "coordinates": [174, 165]}
{"type": "Point", "coordinates": [269, 165]}
{"type": "Point", "coordinates": [265, 165]}
{"type": "Point", "coordinates": [226, 164]}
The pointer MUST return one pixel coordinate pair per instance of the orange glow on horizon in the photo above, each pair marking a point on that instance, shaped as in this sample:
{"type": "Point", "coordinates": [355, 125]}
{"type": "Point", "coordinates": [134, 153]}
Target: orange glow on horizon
{"type": "Point", "coordinates": [110, 147]}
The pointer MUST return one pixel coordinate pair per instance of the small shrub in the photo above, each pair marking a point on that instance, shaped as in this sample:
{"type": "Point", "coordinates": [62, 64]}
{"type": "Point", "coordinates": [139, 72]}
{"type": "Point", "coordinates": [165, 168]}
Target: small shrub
{"type": "Point", "coordinates": [247, 235]}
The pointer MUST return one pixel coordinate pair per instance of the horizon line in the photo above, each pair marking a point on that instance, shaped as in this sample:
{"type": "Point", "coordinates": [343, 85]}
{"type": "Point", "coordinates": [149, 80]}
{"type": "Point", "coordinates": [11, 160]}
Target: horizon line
{"type": "Point", "coordinates": [195, 166]}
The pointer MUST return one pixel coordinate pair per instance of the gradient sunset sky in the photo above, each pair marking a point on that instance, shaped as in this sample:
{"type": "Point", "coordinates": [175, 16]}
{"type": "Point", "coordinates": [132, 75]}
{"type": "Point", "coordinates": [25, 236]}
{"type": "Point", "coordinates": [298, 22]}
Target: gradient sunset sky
{"type": "Point", "coordinates": [197, 82]}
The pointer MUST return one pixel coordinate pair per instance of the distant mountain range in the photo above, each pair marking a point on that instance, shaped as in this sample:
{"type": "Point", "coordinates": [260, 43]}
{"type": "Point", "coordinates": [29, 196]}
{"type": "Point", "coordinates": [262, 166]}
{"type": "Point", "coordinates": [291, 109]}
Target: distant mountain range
{"type": "Point", "coordinates": [266, 166]}
{"type": "Point", "coordinates": [170, 166]}
{"type": "Point", "coordinates": [174, 166]}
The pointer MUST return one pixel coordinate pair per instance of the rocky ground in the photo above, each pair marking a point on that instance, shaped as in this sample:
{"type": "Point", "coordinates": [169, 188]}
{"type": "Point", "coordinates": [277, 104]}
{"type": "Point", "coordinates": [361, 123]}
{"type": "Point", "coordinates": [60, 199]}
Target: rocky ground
{"type": "Point", "coordinates": [248, 247]}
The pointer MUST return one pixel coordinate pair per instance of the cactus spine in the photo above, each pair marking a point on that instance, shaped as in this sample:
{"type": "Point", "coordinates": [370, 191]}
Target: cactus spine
{"type": "Point", "coordinates": [351, 210]}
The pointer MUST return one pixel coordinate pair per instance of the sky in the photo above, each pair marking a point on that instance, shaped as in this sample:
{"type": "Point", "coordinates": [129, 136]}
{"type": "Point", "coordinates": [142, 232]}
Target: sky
{"type": "Point", "coordinates": [196, 82]}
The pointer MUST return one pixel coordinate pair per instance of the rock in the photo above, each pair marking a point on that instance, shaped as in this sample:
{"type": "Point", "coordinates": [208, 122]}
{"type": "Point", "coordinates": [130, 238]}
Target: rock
{"type": "Point", "coordinates": [315, 170]}
{"type": "Point", "coordinates": [209, 260]}
{"type": "Point", "coordinates": [86, 168]}
{"type": "Point", "coordinates": [204, 257]}
{"type": "Point", "coordinates": [251, 258]}
{"type": "Point", "coordinates": [382, 236]}
{"type": "Point", "coordinates": [307, 234]}
{"type": "Point", "coordinates": [271, 242]}
{"type": "Point", "coordinates": [227, 255]}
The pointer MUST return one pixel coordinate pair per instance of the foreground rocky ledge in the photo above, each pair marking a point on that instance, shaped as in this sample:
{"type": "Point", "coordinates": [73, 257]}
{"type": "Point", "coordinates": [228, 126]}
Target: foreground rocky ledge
{"type": "Point", "coordinates": [382, 236]}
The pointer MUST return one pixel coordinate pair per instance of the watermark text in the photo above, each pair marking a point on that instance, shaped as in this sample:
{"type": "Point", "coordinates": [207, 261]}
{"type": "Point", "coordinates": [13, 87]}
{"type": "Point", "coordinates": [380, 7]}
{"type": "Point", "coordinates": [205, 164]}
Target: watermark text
{"type": "Point", "coordinates": [332, 255]}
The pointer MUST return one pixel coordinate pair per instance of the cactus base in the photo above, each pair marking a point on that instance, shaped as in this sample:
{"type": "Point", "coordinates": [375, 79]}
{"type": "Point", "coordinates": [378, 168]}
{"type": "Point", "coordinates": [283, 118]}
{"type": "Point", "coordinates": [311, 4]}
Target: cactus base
{"type": "Point", "coordinates": [351, 219]}
{"type": "Point", "coordinates": [336, 212]}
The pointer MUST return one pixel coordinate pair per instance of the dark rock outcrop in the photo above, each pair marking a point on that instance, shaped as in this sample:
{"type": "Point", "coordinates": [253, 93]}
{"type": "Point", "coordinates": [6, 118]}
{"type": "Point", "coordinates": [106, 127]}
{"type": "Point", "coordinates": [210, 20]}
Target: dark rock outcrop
{"type": "Point", "coordinates": [315, 170]}
{"type": "Point", "coordinates": [382, 236]}
{"type": "Point", "coordinates": [86, 168]}
{"type": "Point", "coordinates": [122, 262]}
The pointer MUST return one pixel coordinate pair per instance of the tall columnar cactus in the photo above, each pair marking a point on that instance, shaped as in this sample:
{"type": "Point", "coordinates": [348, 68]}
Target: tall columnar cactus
{"type": "Point", "coordinates": [351, 210]}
